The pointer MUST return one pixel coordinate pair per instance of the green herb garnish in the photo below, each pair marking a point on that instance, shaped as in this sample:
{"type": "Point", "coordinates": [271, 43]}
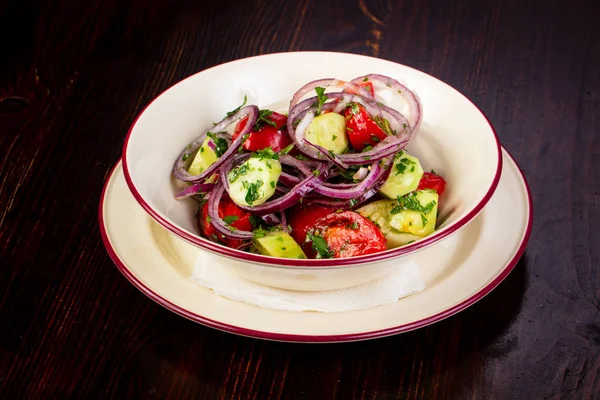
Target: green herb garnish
{"type": "Point", "coordinates": [230, 219]}
{"type": "Point", "coordinates": [319, 245]}
{"type": "Point", "coordinates": [321, 98]}
{"type": "Point", "coordinates": [237, 172]}
{"type": "Point", "coordinates": [252, 195]}
{"type": "Point", "coordinates": [233, 112]}
{"type": "Point", "coordinates": [220, 144]}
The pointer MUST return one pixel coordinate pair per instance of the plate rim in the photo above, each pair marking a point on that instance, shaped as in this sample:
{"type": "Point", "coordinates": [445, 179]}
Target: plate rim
{"type": "Point", "coordinates": [323, 263]}
{"type": "Point", "coordinates": [299, 338]}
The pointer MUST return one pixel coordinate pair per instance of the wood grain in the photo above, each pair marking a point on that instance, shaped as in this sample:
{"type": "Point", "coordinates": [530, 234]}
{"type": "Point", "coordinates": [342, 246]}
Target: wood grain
{"type": "Point", "coordinates": [73, 76]}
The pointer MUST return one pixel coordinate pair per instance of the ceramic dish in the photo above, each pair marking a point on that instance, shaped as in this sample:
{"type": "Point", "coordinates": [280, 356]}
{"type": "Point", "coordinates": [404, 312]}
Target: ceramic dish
{"type": "Point", "coordinates": [458, 273]}
{"type": "Point", "coordinates": [455, 139]}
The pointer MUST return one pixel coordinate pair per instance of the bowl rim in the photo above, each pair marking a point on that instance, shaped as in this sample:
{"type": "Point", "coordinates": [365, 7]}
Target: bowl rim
{"type": "Point", "coordinates": [313, 263]}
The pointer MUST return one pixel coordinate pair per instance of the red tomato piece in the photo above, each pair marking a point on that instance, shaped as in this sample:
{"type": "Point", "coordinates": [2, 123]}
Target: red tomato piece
{"type": "Point", "coordinates": [227, 208]}
{"type": "Point", "coordinates": [361, 128]}
{"type": "Point", "coordinates": [302, 219]}
{"type": "Point", "coordinates": [349, 234]}
{"type": "Point", "coordinates": [267, 135]}
{"type": "Point", "coordinates": [432, 181]}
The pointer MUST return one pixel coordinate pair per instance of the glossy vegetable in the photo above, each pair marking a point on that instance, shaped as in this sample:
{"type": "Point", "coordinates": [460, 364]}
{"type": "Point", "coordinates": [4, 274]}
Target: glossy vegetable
{"type": "Point", "coordinates": [379, 213]}
{"type": "Point", "coordinates": [278, 244]}
{"type": "Point", "coordinates": [415, 213]}
{"type": "Point", "coordinates": [303, 218]}
{"type": "Point", "coordinates": [345, 234]}
{"type": "Point", "coordinates": [232, 215]}
{"type": "Point", "coordinates": [362, 129]}
{"type": "Point", "coordinates": [432, 181]}
{"type": "Point", "coordinates": [253, 182]}
{"type": "Point", "coordinates": [328, 131]}
{"type": "Point", "coordinates": [267, 132]}
{"type": "Point", "coordinates": [404, 177]}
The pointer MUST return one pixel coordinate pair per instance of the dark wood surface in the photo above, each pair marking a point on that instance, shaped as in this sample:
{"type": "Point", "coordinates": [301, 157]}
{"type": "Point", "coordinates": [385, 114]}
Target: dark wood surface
{"type": "Point", "coordinates": [73, 76]}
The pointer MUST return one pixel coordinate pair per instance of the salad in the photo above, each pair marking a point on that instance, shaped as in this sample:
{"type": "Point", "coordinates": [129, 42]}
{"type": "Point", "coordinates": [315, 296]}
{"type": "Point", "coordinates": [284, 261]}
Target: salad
{"type": "Point", "coordinates": [329, 179]}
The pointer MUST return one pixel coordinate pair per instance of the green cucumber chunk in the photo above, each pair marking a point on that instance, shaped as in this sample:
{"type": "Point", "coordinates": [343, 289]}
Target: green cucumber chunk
{"type": "Point", "coordinates": [254, 181]}
{"type": "Point", "coordinates": [204, 158]}
{"type": "Point", "coordinates": [279, 244]}
{"type": "Point", "coordinates": [328, 131]}
{"type": "Point", "coordinates": [379, 213]}
{"type": "Point", "coordinates": [404, 177]}
{"type": "Point", "coordinates": [416, 214]}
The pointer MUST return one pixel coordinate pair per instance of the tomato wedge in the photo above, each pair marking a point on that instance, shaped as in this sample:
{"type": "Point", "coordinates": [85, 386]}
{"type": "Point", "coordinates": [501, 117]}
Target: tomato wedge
{"type": "Point", "coordinates": [302, 219]}
{"type": "Point", "coordinates": [232, 214]}
{"type": "Point", "coordinates": [432, 181]}
{"type": "Point", "coordinates": [345, 234]}
{"type": "Point", "coordinates": [267, 135]}
{"type": "Point", "coordinates": [362, 130]}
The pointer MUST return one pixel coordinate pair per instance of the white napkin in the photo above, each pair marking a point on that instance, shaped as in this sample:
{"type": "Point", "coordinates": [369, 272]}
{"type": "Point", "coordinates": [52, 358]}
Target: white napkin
{"type": "Point", "coordinates": [405, 281]}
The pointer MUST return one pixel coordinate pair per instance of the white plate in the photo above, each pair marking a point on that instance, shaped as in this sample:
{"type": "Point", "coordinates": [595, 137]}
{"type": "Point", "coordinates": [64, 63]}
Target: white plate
{"type": "Point", "coordinates": [159, 264]}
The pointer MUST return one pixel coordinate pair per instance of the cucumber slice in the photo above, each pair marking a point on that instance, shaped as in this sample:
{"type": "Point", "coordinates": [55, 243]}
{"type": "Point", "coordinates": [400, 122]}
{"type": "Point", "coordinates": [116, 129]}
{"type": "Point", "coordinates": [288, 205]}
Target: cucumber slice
{"type": "Point", "coordinates": [419, 214]}
{"type": "Point", "coordinates": [253, 182]}
{"type": "Point", "coordinates": [379, 213]}
{"type": "Point", "coordinates": [404, 177]}
{"type": "Point", "coordinates": [279, 244]}
{"type": "Point", "coordinates": [328, 131]}
{"type": "Point", "coordinates": [205, 156]}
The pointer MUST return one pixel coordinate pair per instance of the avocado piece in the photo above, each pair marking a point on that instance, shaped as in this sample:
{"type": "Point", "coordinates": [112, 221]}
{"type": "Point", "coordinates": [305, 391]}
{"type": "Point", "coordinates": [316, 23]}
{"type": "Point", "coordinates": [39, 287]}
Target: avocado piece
{"type": "Point", "coordinates": [404, 177]}
{"type": "Point", "coordinates": [328, 131]}
{"type": "Point", "coordinates": [279, 244]}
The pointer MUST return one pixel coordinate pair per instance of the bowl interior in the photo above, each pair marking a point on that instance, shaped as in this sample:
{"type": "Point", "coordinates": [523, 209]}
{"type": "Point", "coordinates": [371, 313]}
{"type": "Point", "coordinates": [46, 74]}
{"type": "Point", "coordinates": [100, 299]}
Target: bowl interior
{"type": "Point", "coordinates": [455, 138]}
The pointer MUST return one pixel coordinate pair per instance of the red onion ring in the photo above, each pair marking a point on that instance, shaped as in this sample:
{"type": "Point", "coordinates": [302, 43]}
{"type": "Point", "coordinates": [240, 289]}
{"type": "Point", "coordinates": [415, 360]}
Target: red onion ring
{"type": "Point", "coordinates": [217, 222]}
{"type": "Point", "coordinates": [179, 168]}
{"type": "Point", "coordinates": [355, 191]}
{"type": "Point", "coordinates": [196, 188]}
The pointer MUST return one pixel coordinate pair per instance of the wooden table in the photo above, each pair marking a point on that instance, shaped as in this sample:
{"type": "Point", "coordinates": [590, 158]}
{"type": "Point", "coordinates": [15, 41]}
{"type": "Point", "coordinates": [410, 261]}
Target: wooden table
{"type": "Point", "coordinates": [73, 76]}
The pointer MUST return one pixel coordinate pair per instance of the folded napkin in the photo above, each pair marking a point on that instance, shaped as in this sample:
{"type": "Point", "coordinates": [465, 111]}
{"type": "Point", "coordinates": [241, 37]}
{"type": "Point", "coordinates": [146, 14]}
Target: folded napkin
{"type": "Point", "coordinates": [401, 283]}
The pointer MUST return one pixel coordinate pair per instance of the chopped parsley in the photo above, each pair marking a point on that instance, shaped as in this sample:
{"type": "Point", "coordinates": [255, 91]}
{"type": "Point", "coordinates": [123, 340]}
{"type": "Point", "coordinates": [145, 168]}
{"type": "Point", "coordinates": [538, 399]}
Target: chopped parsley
{"type": "Point", "coordinates": [412, 203]}
{"type": "Point", "coordinates": [353, 202]}
{"type": "Point", "coordinates": [267, 153]}
{"type": "Point", "coordinates": [220, 144]}
{"type": "Point", "coordinates": [375, 138]}
{"type": "Point", "coordinates": [233, 112]}
{"type": "Point", "coordinates": [263, 119]}
{"type": "Point", "coordinates": [353, 225]}
{"type": "Point", "coordinates": [237, 172]}
{"type": "Point", "coordinates": [319, 245]}
{"type": "Point", "coordinates": [321, 98]}
{"type": "Point", "coordinates": [331, 153]}
{"type": "Point", "coordinates": [253, 194]}
{"type": "Point", "coordinates": [384, 124]}
{"type": "Point", "coordinates": [332, 138]}
{"type": "Point", "coordinates": [287, 149]}
{"type": "Point", "coordinates": [230, 219]}
{"type": "Point", "coordinates": [302, 157]}
{"type": "Point", "coordinates": [316, 172]}
{"type": "Point", "coordinates": [185, 157]}
{"type": "Point", "coordinates": [365, 79]}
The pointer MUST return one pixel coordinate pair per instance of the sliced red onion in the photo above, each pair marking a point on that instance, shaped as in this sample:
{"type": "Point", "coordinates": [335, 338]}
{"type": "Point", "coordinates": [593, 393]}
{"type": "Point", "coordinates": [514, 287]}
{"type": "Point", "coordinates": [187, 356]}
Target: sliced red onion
{"type": "Point", "coordinates": [217, 222]}
{"type": "Point", "coordinates": [358, 189]}
{"type": "Point", "coordinates": [288, 179]}
{"type": "Point", "coordinates": [179, 169]}
{"type": "Point", "coordinates": [325, 83]}
{"type": "Point", "coordinates": [228, 165]}
{"type": "Point", "coordinates": [292, 197]}
{"type": "Point", "coordinates": [361, 174]}
{"type": "Point", "coordinates": [413, 102]}
{"type": "Point", "coordinates": [352, 203]}
{"type": "Point", "coordinates": [329, 156]}
{"type": "Point", "coordinates": [196, 188]}
{"type": "Point", "coordinates": [386, 148]}
{"type": "Point", "coordinates": [271, 219]}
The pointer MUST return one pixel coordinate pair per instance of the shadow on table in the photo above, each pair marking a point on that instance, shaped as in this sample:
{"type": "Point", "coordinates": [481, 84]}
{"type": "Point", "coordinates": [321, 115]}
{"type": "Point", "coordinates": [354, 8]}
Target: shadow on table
{"type": "Point", "coordinates": [449, 356]}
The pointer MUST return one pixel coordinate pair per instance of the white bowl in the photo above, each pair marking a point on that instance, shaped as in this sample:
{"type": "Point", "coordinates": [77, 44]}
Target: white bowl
{"type": "Point", "coordinates": [455, 139]}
